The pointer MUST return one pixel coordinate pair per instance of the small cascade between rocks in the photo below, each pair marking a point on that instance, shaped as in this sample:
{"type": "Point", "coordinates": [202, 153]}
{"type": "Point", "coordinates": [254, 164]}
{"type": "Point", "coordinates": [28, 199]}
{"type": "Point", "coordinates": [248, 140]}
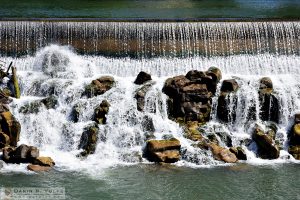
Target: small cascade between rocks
{"type": "Point", "coordinates": [90, 111]}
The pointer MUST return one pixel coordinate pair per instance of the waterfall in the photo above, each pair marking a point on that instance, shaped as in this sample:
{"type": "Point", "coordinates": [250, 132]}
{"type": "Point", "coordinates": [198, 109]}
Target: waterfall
{"type": "Point", "coordinates": [182, 39]}
{"type": "Point", "coordinates": [61, 58]}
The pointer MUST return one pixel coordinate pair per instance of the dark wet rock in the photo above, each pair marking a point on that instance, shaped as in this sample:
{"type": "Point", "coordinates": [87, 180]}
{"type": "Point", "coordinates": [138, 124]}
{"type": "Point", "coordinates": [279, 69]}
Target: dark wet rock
{"type": "Point", "coordinates": [148, 126]}
{"type": "Point", "coordinates": [38, 168]}
{"type": "Point", "coordinates": [215, 73]}
{"type": "Point", "coordinates": [294, 138]}
{"type": "Point", "coordinates": [50, 102]}
{"type": "Point", "coordinates": [227, 101]}
{"type": "Point", "coordinates": [267, 149]}
{"type": "Point", "coordinates": [101, 112]}
{"type": "Point", "coordinates": [269, 103]}
{"type": "Point", "coordinates": [21, 154]}
{"type": "Point", "coordinates": [4, 140]}
{"type": "Point", "coordinates": [75, 112]}
{"type": "Point", "coordinates": [99, 86]}
{"type": "Point", "coordinates": [43, 161]}
{"type": "Point", "coordinates": [225, 138]}
{"type": "Point", "coordinates": [31, 107]}
{"type": "Point", "coordinates": [142, 78]}
{"type": "Point", "coordinates": [167, 151]}
{"type": "Point", "coordinates": [190, 96]}
{"type": "Point", "coordinates": [11, 127]}
{"type": "Point", "coordinates": [239, 152]}
{"type": "Point", "coordinates": [35, 106]}
{"type": "Point", "coordinates": [222, 154]}
{"type": "Point", "coordinates": [229, 85]}
{"type": "Point", "coordinates": [88, 140]}
{"type": "Point", "coordinates": [140, 95]}
{"type": "Point", "coordinates": [295, 151]}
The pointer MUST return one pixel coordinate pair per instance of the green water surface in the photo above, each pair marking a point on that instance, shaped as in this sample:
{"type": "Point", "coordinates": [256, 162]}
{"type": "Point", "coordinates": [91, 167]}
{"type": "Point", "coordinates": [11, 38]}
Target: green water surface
{"type": "Point", "coordinates": [150, 9]}
{"type": "Point", "coordinates": [165, 182]}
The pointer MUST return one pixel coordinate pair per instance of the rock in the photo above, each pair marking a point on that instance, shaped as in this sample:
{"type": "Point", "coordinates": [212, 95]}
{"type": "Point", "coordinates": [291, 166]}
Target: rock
{"type": "Point", "coordinates": [50, 102]}
{"type": "Point", "coordinates": [295, 151]}
{"type": "Point", "coordinates": [222, 154]}
{"type": "Point", "coordinates": [229, 85]}
{"type": "Point", "coordinates": [31, 107]}
{"type": "Point", "coordinates": [192, 132]}
{"type": "Point", "coordinates": [99, 86]}
{"type": "Point", "coordinates": [190, 96]}
{"type": "Point", "coordinates": [238, 152]}
{"type": "Point", "coordinates": [38, 168]}
{"type": "Point", "coordinates": [21, 154]}
{"type": "Point", "coordinates": [88, 140]}
{"type": "Point", "coordinates": [269, 103]}
{"type": "Point", "coordinates": [142, 78]}
{"type": "Point", "coordinates": [215, 73]}
{"type": "Point", "coordinates": [162, 150]}
{"type": "Point", "coordinates": [148, 127]}
{"type": "Point", "coordinates": [267, 149]}
{"type": "Point", "coordinates": [140, 95]}
{"type": "Point", "coordinates": [227, 101]}
{"type": "Point", "coordinates": [4, 140]}
{"type": "Point", "coordinates": [44, 161]}
{"type": "Point", "coordinates": [75, 112]}
{"type": "Point", "coordinates": [266, 84]}
{"type": "Point", "coordinates": [294, 138]}
{"type": "Point", "coordinates": [101, 112]}
{"type": "Point", "coordinates": [2, 164]}
{"type": "Point", "coordinates": [11, 127]}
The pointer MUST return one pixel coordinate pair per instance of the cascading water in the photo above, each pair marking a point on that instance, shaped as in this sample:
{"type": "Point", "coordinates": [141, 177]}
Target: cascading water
{"type": "Point", "coordinates": [267, 49]}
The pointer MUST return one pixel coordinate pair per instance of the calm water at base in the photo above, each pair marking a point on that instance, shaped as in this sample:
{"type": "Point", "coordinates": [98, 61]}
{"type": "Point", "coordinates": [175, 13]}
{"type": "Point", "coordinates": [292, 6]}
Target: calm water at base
{"type": "Point", "coordinates": [170, 182]}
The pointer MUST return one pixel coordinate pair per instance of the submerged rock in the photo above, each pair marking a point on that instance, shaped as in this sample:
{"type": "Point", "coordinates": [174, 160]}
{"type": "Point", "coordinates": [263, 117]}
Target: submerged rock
{"type": "Point", "coordinates": [38, 168]}
{"type": "Point", "coordinates": [142, 78]}
{"type": "Point", "coordinates": [88, 140]}
{"type": "Point", "coordinates": [267, 149]}
{"type": "Point", "coordinates": [99, 86]}
{"type": "Point", "coordinates": [167, 151]}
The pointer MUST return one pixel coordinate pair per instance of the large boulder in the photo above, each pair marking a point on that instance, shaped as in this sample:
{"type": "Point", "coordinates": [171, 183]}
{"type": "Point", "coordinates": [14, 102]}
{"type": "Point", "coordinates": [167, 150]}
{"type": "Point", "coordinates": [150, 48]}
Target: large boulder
{"type": "Point", "coordinates": [227, 101]}
{"type": "Point", "coordinates": [267, 148]}
{"type": "Point", "coordinates": [142, 78]}
{"type": "Point", "coordinates": [88, 140]}
{"type": "Point", "coordinates": [35, 106]}
{"type": "Point", "coordinates": [167, 151]}
{"type": "Point", "coordinates": [101, 112]}
{"type": "Point", "coordinates": [99, 86]}
{"type": "Point", "coordinates": [11, 127]}
{"type": "Point", "coordinates": [190, 96]}
{"type": "Point", "coordinates": [222, 154]}
{"type": "Point", "coordinates": [269, 103]}
{"type": "Point", "coordinates": [21, 154]}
